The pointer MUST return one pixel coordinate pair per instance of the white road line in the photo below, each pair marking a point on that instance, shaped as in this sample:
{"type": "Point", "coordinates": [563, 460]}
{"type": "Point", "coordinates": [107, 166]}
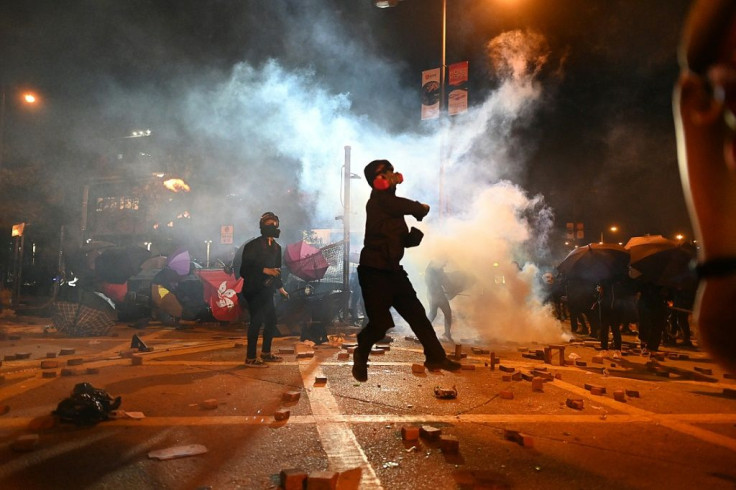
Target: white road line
{"type": "Point", "coordinates": [342, 448]}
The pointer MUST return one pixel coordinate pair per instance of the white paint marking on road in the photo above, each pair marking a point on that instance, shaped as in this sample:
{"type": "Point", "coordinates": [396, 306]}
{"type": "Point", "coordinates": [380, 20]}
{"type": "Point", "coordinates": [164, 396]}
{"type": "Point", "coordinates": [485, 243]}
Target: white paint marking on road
{"type": "Point", "coordinates": [338, 440]}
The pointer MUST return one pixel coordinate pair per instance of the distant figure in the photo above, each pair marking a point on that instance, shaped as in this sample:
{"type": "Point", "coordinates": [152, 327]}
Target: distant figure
{"type": "Point", "coordinates": [436, 280]}
{"type": "Point", "coordinates": [384, 282]}
{"type": "Point", "coordinates": [261, 272]}
{"type": "Point", "coordinates": [704, 108]}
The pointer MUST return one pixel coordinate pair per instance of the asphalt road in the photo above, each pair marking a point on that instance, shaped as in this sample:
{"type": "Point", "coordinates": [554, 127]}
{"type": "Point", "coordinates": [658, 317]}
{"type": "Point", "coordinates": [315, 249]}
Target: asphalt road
{"type": "Point", "coordinates": [192, 388]}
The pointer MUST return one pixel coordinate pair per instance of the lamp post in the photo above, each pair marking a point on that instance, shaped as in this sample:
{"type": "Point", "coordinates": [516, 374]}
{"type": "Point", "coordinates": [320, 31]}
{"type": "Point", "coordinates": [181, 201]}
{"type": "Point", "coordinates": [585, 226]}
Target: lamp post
{"type": "Point", "coordinates": [28, 98]}
{"type": "Point", "coordinates": [394, 3]}
{"type": "Point", "coordinates": [612, 229]}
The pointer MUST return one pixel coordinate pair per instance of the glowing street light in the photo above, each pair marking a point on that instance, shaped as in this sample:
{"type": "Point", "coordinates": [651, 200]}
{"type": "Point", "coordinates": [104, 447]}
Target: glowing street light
{"type": "Point", "coordinates": [612, 229]}
{"type": "Point", "coordinates": [28, 98]}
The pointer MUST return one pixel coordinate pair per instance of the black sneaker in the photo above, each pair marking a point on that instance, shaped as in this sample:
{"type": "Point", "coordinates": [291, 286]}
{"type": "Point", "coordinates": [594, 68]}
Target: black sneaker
{"type": "Point", "coordinates": [268, 357]}
{"type": "Point", "coordinates": [255, 363]}
{"type": "Point", "coordinates": [360, 366]}
{"type": "Point", "coordinates": [446, 364]}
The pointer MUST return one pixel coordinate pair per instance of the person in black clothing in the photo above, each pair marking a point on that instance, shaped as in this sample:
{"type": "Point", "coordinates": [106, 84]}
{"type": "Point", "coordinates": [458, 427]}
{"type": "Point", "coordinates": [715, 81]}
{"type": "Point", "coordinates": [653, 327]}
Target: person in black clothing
{"type": "Point", "coordinates": [260, 269]}
{"type": "Point", "coordinates": [436, 279]}
{"type": "Point", "coordinates": [383, 280]}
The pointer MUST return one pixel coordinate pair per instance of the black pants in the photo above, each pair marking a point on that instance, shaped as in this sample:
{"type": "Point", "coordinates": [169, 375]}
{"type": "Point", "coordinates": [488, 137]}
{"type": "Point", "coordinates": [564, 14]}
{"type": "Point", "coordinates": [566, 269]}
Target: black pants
{"type": "Point", "coordinates": [262, 312]}
{"type": "Point", "coordinates": [608, 322]}
{"type": "Point", "coordinates": [440, 301]}
{"type": "Point", "coordinates": [383, 290]}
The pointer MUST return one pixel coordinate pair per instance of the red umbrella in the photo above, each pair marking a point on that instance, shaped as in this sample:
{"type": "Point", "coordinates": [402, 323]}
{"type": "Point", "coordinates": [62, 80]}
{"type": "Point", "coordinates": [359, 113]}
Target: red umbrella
{"type": "Point", "coordinates": [305, 261]}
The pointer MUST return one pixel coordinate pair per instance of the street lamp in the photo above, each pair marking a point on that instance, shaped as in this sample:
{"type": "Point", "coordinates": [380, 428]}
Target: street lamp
{"type": "Point", "coordinates": [394, 3]}
{"type": "Point", "coordinates": [612, 229]}
{"type": "Point", "coordinates": [28, 98]}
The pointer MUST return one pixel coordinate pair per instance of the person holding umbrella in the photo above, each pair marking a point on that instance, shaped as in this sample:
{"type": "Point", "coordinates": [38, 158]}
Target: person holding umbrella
{"type": "Point", "coordinates": [261, 272]}
{"type": "Point", "coordinates": [383, 280]}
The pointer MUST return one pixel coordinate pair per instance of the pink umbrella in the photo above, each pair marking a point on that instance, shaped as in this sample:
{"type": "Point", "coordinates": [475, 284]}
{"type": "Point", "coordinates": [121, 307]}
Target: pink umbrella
{"type": "Point", "coordinates": [305, 261]}
{"type": "Point", "coordinates": [179, 262]}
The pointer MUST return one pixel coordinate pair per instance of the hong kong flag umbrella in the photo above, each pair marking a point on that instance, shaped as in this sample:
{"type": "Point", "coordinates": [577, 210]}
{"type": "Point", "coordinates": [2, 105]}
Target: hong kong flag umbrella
{"type": "Point", "coordinates": [305, 261]}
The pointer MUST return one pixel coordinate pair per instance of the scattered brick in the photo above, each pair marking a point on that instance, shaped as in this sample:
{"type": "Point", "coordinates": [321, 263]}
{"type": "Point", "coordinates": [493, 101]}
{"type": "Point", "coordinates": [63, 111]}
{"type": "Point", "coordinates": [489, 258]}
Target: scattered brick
{"type": "Point", "coordinates": [48, 374]}
{"type": "Point", "coordinates": [468, 367]}
{"type": "Point", "coordinates": [49, 364]}
{"type": "Point", "coordinates": [506, 395]}
{"type": "Point", "coordinates": [520, 438]}
{"type": "Point", "coordinates": [349, 479]}
{"type": "Point", "coordinates": [575, 403]}
{"type": "Point", "coordinates": [683, 357]}
{"type": "Point", "coordinates": [478, 350]}
{"type": "Point", "coordinates": [632, 393]}
{"type": "Point", "coordinates": [385, 347]}
{"type": "Point", "coordinates": [580, 363]}
{"type": "Point", "coordinates": [729, 392]}
{"type": "Point", "coordinates": [516, 376]}
{"type": "Point", "coordinates": [44, 422]}
{"type": "Point", "coordinates": [597, 359]}
{"type": "Point", "coordinates": [26, 442]}
{"type": "Point", "coordinates": [522, 349]}
{"type": "Point", "coordinates": [127, 354]}
{"type": "Point", "coordinates": [543, 374]}
{"type": "Point", "coordinates": [537, 384]}
{"type": "Point", "coordinates": [591, 387]}
{"type": "Point", "coordinates": [377, 352]}
{"type": "Point", "coordinates": [9, 357]}
{"type": "Point", "coordinates": [351, 350]}
{"type": "Point", "coordinates": [430, 433]}
{"type": "Point", "coordinates": [347, 345]}
{"type": "Point", "coordinates": [598, 391]}
{"type": "Point", "coordinates": [320, 379]}
{"type": "Point", "coordinates": [286, 350]}
{"type": "Point", "coordinates": [305, 355]}
{"type": "Point", "coordinates": [293, 479]}
{"type": "Point", "coordinates": [136, 360]}
{"type": "Point", "coordinates": [506, 369]}
{"type": "Point", "coordinates": [410, 433]}
{"type": "Point", "coordinates": [619, 395]}
{"type": "Point", "coordinates": [343, 356]}
{"type": "Point", "coordinates": [417, 368]}
{"type": "Point", "coordinates": [558, 375]}
{"type": "Point", "coordinates": [494, 360]}
{"type": "Point", "coordinates": [51, 355]}
{"type": "Point", "coordinates": [506, 378]}
{"type": "Point", "coordinates": [209, 404]}
{"type": "Point", "coordinates": [527, 376]}
{"type": "Point", "coordinates": [66, 352]}
{"type": "Point", "coordinates": [707, 371]}
{"type": "Point", "coordinates": [69, 372]}
{"type": "Point", "coordinates": [75, 362]}
{"type": "Point", "coordinates": [449, 444]}
{"type": "Point", "coordinates": [530, 356]}
{"type": "Point", "coordinates": [322, 480]}
{"type": "Point", "coordinates": [22, 355]}
{"type": "Point", "coordinates": [282, 414]}
{"type": "Point", "coordinates": [291, 396]}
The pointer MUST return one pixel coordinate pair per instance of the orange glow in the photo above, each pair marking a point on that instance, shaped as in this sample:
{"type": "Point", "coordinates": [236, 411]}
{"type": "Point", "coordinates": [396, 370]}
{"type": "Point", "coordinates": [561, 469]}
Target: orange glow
{"type": "Point", "coordinates": [29, 98]}
{"type": "Point", "coordinates": [176, 185]}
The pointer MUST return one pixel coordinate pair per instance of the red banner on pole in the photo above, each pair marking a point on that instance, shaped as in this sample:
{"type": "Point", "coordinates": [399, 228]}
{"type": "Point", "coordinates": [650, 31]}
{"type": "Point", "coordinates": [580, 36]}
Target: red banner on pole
{"type": "Point", "coordinates": [431, 94]}
{"type": "Point", "coordinates": [457, 102]}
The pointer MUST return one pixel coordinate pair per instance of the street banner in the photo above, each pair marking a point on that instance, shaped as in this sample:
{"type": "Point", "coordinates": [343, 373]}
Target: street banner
{"type": "Point", "coordinates": [431, 94]}
{"type": "Point", "coordinates": [580, 231]}
{"type": "Point", "coordinates": [570, 231]}
{"type": "Point", "coordinates": [457, 102]}
{"type": "Point", "coordinates": [226, 234]}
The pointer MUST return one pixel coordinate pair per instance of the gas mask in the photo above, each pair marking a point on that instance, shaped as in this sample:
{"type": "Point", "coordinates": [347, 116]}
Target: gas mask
{"type": "Point", "coordinates": [383, 182]}
{"type": "Point", "coordinates": [271, 231]}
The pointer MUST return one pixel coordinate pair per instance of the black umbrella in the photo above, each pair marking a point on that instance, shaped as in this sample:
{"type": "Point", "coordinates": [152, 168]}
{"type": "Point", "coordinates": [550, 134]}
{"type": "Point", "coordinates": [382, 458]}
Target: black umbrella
{"type": "Point", "coordinates": [595, 262]}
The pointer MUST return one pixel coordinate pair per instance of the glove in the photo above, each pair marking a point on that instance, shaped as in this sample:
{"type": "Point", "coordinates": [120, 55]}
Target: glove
{"type": "Point", "coordinates": [414, 238]}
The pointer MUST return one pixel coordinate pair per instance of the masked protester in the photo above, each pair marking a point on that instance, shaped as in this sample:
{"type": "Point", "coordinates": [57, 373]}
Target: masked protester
{"type": "Point", "coordinates": [261, 272]}
{"type": "Point", "coordinates": [383, 281]}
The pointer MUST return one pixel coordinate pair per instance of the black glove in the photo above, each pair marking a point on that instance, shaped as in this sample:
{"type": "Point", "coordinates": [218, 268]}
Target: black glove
{"type": "Point", "coordinates": [414, 238]}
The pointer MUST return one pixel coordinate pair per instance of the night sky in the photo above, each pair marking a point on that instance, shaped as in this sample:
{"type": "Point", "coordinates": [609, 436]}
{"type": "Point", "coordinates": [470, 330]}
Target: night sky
{"type": "Point", "coordinates": [255, 99]}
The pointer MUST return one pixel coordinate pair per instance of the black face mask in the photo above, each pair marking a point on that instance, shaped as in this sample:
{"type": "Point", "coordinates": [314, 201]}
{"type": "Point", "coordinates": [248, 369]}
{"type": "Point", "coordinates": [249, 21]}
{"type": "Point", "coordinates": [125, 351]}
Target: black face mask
{"type": "Point", "coordinates": [270, 231]}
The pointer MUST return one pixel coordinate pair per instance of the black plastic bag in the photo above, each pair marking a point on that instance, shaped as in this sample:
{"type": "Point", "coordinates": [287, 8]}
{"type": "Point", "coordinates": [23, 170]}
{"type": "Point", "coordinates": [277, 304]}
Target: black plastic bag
{"type": "Point", "coordinates": [87, 405]}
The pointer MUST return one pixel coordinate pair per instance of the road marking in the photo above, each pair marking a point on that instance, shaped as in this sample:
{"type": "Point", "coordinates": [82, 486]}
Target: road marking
{"type": "Point", "coordinates": [338, 440]}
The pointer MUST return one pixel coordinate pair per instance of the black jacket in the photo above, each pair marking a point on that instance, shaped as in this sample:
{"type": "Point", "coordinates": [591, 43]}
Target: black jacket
{"type": "Point", "coordinates": [386, 233]}
{"type": "Point", "coordinates": [257, 255]}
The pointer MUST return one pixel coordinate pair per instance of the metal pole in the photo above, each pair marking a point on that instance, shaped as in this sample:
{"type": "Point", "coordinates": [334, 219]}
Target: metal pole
{"type": "Point", "coordinates": [442, 201]}
{"type": "Point", "coordinates": [83, 224]}
{"type": "Point", "coordinates": [346, 232]}
{"type": "Point", "coordinates": [2, 125]}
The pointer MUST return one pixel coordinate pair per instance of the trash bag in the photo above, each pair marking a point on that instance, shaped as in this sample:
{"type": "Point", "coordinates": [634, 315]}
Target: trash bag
{"type": "Point", "coordinates": [87, 405]}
